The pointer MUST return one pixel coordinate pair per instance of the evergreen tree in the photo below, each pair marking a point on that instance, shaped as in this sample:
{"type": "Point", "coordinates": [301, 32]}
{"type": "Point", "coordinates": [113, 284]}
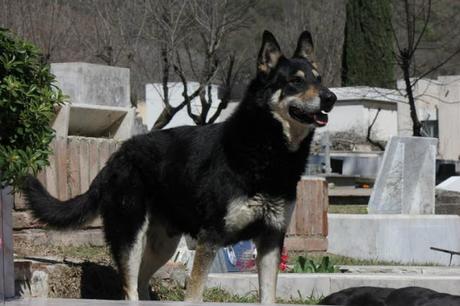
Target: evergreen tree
{"type": "Point", "coordinates": [368, 58]}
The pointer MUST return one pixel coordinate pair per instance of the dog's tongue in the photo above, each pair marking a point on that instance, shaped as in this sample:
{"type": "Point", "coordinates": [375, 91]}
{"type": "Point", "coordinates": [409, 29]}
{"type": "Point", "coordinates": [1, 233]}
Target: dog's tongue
{"type": "Point", "coordinates": [321, 119]}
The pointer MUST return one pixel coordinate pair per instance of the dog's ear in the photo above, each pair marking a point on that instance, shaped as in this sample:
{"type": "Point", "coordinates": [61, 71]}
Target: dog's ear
{"type": "Point", "coordinates": [305, 46]}
{"type": "Point", "coordinates": [269, 53]}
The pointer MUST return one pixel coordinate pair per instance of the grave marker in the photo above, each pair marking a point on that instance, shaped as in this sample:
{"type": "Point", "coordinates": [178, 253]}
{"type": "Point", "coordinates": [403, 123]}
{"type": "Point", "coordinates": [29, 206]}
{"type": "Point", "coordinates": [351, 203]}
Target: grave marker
{"type": "Point", "coordinates": [406, 179]}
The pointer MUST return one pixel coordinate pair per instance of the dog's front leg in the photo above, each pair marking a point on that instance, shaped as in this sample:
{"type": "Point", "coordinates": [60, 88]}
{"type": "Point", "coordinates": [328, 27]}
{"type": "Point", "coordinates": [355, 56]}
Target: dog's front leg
{"type": "Point", "coordinates": [204, 256]}
{"type": "Point", "coordinates": [268, 260]}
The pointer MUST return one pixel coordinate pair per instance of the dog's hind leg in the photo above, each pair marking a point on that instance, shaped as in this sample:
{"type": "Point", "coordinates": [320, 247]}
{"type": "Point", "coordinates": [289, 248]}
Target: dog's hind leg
{"type": "Point", "coordinates": [159, 249]}
{"type": "Point", "coordinates": [268, 260]}
{"type": "Point", "coordinates": [204, 256]}
{"type": "Point", "coordinates": [130, 263]}
{"type": "Point", "coordinates": [126, 234]}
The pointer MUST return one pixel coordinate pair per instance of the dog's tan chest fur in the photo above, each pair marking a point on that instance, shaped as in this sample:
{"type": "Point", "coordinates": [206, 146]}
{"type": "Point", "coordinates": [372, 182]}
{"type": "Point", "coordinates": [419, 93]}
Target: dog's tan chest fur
{"type": "Point", "coordinates": [294, 132]}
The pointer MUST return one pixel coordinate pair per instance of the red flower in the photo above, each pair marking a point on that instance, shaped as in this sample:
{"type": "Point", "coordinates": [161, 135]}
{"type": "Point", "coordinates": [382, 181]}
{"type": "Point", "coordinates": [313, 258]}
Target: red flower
{"type": "Point", "coordinates": [283, 267]}
{"type": "Point", "coordinates": [284, 259]}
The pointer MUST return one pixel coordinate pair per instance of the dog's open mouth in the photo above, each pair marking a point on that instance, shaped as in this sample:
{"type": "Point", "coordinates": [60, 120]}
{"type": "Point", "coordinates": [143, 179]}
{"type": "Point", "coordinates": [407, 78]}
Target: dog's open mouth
{"type": "Point", "coordinates": [320, 118]}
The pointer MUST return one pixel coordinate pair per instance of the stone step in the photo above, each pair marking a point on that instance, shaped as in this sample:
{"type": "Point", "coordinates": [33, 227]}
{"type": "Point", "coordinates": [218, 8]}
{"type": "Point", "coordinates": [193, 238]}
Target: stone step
{"type": "Point", "coordinates": [323, 284]}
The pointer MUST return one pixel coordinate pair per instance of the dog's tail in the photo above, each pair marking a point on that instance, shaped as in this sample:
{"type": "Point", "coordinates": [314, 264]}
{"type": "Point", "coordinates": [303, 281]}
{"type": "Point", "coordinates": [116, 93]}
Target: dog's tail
{"type": "Point", "coordinates": [68, 214]}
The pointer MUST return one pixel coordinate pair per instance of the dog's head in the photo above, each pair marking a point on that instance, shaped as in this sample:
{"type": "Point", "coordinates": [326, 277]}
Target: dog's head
{"type": "Point", "coordinates": [298, 98]}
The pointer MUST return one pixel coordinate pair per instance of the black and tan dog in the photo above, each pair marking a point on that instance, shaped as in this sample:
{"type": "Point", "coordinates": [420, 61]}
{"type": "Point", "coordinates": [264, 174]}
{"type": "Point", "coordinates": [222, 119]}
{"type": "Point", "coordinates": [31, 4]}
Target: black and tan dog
{"type": "Point", "coordinates": [378, 296]}
{"type": "Point", "coordinates": [219, 183]}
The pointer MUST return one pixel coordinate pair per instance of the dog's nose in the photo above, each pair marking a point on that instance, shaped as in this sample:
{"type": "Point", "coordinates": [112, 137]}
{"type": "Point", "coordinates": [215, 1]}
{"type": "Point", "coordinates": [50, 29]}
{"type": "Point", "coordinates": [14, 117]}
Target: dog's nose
{"type": "Point", "coordinates": [327, 98]}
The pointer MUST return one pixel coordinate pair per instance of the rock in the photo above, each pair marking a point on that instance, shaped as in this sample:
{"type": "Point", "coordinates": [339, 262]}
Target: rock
{"type": "Point", "coordinates": [31, 279]}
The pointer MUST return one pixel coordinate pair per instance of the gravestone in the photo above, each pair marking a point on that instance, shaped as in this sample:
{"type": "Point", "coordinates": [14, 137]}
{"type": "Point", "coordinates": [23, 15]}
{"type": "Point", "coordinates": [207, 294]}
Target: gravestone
{"type": "Point", "coordinates": [406, 179]}
{"type": "Point", "coordinates": [86, 83]}
{"type": "Point", "coordinates": [99, 99]}
{"type": "Point", "coordinates": [451, 184]}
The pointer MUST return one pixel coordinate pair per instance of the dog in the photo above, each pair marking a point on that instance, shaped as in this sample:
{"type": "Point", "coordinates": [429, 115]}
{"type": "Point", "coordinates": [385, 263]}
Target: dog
{"type": "Point", "coordinates": [377, 296]}
{"type": "Point", "coordinates": [219, 183]}
{"type": "Point", "coordinates": [417, 296]}
{"type": "Point", "coordinates": [358, 296]}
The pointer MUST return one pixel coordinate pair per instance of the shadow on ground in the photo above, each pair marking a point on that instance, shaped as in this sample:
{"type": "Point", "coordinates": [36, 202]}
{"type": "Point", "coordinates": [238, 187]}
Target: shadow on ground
{"type": "Point", "coordinates": [100, 282]}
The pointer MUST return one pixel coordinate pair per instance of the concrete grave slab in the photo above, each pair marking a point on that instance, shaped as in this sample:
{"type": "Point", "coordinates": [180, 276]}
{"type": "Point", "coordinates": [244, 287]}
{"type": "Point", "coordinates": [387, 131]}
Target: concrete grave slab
{"type": "Point", "coordinates": [406, 179]}
{"type": "Point", "coordinates": [86, 83]}
{"type": "Point", "coordinates": [95, 121]}
{"type": "Point", "coordinates": [395, 238]}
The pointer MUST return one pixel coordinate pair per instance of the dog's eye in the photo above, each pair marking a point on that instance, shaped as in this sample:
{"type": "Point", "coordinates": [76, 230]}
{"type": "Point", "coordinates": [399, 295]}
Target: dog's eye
{"type": "Point", "coordinates": [316, 75]}
{"type": "Point", "coordinates": [297, 80]}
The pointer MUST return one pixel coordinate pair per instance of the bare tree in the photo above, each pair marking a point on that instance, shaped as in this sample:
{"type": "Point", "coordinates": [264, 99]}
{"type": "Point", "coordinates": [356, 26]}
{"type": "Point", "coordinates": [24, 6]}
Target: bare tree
{"type": "Point", "coordinates": [215, 21]}
{"type": "Point", "coordinates": [168, 25]}
{"type": "Point", "coordinates": [108, 32]}
{"type": "Point", "coordinates": [413, 23]}
{"type": "Point", "coordinates": [369, 132]}
{"type": "Point", "coordinates": [328, 33]}
{"type": "Point", "coordinates": [46, 23]}
{"type": "Point", "coordinates": [191, 35]}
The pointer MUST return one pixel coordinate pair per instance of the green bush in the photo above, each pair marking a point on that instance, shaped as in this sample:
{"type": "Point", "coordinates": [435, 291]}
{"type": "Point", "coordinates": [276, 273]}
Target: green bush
{"type": "Point", "coordinates": [28, 98]}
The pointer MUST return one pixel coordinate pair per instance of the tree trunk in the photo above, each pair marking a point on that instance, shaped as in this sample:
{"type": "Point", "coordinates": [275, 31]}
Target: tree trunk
{"type": "Point", "coordinates": [416, 125]}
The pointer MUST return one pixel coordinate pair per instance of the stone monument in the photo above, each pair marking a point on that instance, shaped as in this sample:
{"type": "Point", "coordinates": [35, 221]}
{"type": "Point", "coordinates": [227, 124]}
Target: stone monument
{"type": "Point", "coordinates": [406, 179]}
{"type": "Point", "coordinates": [99, 99]}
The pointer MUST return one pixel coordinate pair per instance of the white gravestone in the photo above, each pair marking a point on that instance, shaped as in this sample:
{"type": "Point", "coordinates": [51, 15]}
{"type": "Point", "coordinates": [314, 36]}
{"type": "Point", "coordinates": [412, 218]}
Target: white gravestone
{"type": "Point", "coordinates": [451, 184]}
{"type": "Point", "coordinates": [406, 179]}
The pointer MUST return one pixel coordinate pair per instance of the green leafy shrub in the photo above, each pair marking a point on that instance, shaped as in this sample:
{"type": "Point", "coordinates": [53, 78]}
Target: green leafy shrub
{"type": "Point", "coordinates": [28, 98]}
{"type": "Point", "coordinates": [304, 265]}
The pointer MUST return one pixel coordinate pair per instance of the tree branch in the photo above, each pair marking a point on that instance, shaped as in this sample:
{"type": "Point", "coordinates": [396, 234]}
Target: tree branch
{"type": "Point", "coordinates": [369, 130]}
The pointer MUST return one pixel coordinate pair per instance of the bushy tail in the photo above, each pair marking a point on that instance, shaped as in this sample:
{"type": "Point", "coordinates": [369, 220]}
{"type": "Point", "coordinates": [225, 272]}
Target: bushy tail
{"type": "Point", "coordinates": [68, 214]}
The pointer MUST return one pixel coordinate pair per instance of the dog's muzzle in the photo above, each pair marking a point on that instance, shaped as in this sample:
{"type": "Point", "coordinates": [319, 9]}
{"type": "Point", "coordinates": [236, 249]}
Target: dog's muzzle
{"type": "Point", "coordinates": [304, 116]}
{"type": "Point", "coordinates": [319, 116]}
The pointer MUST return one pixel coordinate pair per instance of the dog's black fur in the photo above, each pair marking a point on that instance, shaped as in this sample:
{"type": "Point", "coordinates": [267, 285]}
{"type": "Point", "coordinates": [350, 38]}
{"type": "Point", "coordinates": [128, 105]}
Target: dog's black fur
{"type": "Point", "coordinates": [358, 296]}
{"type": "Point", "coordinates": [186, 177]}
{"type": "Point", "coordinates": [417, 296]}
{"type": "Point", "coordinates": [377, 296]}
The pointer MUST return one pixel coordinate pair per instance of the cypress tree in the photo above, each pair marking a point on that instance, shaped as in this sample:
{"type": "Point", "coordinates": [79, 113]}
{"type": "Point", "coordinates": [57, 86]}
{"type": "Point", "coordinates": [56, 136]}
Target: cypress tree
{"type": "Point", "coordinates": [368, 52]}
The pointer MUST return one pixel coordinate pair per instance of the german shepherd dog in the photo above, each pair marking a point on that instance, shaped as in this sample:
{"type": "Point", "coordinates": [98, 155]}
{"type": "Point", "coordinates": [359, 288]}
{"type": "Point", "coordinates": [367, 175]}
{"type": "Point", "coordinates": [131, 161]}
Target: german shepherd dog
{"type": "Point", "coordinates": [219, 183]}
{"type": "Point", "coordinates": [378, 296]}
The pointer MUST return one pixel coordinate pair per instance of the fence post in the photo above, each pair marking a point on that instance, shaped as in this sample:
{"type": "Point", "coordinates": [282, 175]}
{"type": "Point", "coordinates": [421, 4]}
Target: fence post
{"type": "Point", "coordinates": [6, 244]}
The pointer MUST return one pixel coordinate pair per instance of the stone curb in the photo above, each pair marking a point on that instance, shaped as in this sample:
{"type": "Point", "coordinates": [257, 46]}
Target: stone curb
{"type": "Point", "coordinates": [297, 285]}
